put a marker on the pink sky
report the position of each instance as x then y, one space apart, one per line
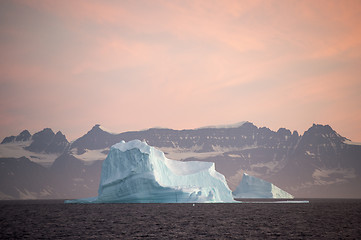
131 65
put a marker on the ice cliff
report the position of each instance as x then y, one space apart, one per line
252 187
134 172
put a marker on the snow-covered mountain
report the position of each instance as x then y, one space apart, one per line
319 163
43 147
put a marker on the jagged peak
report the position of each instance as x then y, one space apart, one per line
323 131
319 128
284 131
265 130
59 133
295 133
8 139
248 124
100 128
96 138
25 132
61 136
106 129
45 131
23 136
96 127
44 135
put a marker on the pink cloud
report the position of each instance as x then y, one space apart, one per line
197 62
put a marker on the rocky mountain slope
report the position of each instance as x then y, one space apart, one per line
319 163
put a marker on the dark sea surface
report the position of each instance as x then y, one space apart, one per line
52 219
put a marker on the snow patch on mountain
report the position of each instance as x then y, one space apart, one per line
90 155
234 155
184 153
223 149
270 166
17 150
235 125
332 176
349 142
107 130
178 153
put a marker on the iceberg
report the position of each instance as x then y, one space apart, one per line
135 172
252 187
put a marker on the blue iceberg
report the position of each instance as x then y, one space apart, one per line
135 172
252 187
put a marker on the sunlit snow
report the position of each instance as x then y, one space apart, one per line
352 143
16 150
235 125
90 155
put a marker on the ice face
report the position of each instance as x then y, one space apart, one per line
252 187
138 173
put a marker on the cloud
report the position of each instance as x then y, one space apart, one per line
276 63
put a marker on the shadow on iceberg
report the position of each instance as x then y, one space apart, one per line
135 172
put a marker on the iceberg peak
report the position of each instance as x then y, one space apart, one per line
125 146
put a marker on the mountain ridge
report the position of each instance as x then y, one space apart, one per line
304 165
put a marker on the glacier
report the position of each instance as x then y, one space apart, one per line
135 172
253 187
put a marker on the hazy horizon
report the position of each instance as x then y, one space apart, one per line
132 65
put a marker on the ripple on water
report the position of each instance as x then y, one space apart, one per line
321 219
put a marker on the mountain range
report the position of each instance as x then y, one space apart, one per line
318 164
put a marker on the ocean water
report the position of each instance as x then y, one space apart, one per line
52 219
